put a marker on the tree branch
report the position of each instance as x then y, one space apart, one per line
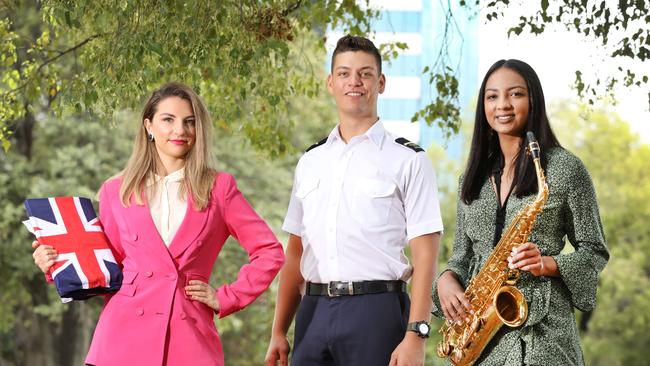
291 8
71 49
52 59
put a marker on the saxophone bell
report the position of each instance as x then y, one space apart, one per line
510 306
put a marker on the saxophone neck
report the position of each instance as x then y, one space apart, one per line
534 150
542 186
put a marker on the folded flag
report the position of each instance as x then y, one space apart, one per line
85 265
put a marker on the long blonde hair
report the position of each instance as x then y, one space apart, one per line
199 171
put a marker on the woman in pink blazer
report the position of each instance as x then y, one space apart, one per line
167 216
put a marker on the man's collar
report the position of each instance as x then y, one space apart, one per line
375 133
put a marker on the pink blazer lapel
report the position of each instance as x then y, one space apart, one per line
142 229
190 228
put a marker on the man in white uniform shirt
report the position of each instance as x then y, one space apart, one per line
359 197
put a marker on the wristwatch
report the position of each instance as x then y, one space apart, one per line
421 328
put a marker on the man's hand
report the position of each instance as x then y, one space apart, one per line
410 352
278 351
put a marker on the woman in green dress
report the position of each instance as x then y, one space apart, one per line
499 180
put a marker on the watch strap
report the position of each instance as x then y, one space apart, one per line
415 327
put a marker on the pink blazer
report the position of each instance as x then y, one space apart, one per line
150 321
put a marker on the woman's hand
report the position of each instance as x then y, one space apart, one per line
527 257
201 291
44 256
454 304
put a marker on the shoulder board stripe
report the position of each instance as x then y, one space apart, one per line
316 144
411 145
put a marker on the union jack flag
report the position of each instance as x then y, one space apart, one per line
85 265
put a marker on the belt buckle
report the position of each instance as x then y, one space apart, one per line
329 289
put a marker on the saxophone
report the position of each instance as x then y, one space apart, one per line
491 292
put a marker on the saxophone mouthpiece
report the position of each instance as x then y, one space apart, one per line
533 146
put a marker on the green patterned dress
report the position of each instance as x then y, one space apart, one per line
550 335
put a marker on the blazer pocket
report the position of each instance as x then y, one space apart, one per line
128 283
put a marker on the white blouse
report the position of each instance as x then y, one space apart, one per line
166 207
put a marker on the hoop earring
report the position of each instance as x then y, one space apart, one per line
150 137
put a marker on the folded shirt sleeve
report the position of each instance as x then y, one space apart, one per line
421 204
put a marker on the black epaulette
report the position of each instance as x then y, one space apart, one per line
411 145
317 144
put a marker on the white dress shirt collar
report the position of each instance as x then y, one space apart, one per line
376 133
175 176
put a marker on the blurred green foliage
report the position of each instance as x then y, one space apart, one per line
618 28
248 59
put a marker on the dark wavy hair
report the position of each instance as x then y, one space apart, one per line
485 155
354 44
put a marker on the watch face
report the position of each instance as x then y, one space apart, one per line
423 328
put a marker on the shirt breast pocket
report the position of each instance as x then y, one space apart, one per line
373 199
306 187
307 193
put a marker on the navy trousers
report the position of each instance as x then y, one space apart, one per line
360 330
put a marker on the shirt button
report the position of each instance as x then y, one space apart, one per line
199 243
140 311
149 274
183 316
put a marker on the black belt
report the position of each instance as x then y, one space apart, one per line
341 288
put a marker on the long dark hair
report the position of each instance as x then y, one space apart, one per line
485 155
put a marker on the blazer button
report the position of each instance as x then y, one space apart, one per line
134 237
172 277
149 274
183 316
199 243
140 311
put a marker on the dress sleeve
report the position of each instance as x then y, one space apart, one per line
265 252
579 270
461 255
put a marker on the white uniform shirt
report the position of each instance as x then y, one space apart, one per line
166 207
356 206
